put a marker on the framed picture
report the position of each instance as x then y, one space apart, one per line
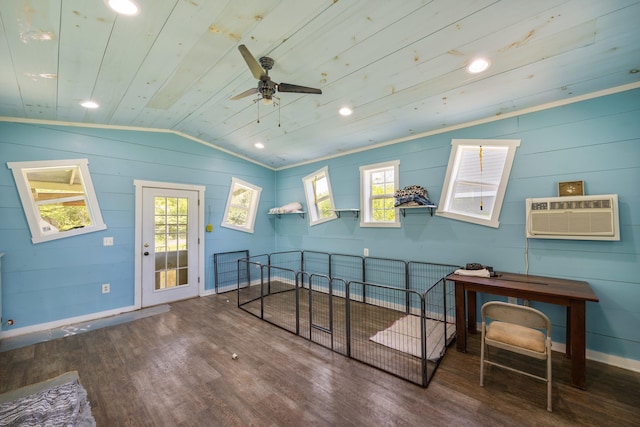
571 188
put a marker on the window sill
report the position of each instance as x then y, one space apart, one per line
472 220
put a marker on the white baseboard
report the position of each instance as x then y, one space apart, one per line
608 359
79 319
68 321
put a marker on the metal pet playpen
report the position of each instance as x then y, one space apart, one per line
398 316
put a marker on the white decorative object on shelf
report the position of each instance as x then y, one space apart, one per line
293 207
289 208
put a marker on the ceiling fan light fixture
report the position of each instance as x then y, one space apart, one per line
345 111
89 104
124 7
478 65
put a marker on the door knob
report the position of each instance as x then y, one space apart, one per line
146 253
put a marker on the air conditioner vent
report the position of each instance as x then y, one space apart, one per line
573 217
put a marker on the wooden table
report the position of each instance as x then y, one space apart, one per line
572 294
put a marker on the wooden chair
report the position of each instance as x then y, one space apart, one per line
520 329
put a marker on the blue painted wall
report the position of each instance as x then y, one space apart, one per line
597 141
62 279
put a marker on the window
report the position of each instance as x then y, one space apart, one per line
378 183
317 189
242 205
476 180
58 198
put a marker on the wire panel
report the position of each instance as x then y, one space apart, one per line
402 324
226 272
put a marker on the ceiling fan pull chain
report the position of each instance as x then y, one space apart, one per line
481 177
258 103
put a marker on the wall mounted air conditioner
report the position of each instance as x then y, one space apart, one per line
573 217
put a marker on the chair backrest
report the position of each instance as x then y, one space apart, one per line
518 314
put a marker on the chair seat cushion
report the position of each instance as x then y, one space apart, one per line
516 335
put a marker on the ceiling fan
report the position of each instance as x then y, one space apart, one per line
267 87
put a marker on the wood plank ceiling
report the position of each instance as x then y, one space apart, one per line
399 64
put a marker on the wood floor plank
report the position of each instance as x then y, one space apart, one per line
175 369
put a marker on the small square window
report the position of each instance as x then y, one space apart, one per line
242 206
58 198
378 184
317 190
476 180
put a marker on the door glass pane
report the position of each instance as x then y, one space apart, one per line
182 276
171 242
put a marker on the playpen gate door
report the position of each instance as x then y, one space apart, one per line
320 311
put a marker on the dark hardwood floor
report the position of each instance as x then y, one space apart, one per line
176 369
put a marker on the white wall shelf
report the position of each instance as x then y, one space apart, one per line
403 209
301 213
355 212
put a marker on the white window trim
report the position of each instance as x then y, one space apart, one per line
32 213
365 194
314 214
447 187
251 211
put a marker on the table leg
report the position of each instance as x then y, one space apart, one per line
567 352
578 343
461 330
471 310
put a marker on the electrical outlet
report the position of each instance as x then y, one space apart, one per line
107 241
512 300
366 251
106 288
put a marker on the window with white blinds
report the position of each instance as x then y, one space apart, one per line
476 180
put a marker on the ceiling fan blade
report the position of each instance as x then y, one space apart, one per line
252 62
244 94
287 87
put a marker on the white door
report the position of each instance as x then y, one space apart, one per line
169 245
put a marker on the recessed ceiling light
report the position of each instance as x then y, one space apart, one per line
89 104
125 7
259 145
345 111
478 65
